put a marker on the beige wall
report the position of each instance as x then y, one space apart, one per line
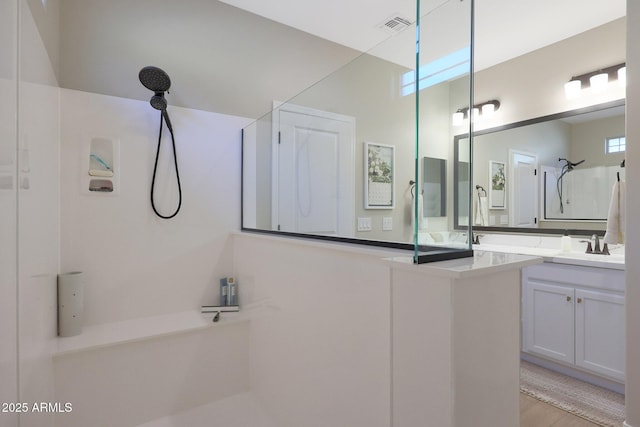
46 15
368 89
532 85
588 141
249 61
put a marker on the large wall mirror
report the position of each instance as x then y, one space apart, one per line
558 172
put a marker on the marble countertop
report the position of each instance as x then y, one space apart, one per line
482 262
614 261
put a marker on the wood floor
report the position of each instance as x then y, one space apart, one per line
534 413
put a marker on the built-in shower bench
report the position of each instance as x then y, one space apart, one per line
127 331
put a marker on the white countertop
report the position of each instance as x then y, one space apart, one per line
482 262
614 261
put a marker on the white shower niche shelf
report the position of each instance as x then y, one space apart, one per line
128 331
100 166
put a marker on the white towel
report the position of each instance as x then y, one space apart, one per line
422 222
481 211
616 217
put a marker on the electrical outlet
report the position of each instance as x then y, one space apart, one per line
364 224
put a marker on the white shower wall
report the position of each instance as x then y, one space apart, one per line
321 348
136 264
8 211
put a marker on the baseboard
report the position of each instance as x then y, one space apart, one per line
575 373
624 424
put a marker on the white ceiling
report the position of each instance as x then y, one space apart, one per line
504 28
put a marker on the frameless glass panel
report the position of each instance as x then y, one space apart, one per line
38 191
8 209
337 161
444 88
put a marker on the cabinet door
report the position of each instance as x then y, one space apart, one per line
548 320
600 332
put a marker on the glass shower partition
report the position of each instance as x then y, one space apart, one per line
346 159
444 87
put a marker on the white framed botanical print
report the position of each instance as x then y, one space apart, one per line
379 170
497 185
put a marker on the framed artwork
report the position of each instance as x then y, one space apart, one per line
497 185
379 170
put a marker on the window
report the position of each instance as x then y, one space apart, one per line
442 69
616 144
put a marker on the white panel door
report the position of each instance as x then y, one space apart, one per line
315 174
548 320
523 205
600 332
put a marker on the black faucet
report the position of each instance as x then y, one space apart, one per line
596 248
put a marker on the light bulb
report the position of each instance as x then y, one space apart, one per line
476 113
488 110
458 118
572 89
622 76
599 82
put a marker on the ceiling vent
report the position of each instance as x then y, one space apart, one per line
395 24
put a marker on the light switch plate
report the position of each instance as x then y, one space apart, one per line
364 224
387 223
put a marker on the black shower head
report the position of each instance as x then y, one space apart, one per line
569 165
158 101
155 79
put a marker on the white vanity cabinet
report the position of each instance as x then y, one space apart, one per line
575 315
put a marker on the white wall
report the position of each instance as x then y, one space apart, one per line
38 216
130 384
136 264
8 210
632 293
320 346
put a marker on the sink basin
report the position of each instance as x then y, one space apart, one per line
617 258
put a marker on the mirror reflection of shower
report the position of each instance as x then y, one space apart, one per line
566 168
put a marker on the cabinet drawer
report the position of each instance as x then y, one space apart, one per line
588 277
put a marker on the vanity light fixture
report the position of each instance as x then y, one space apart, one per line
479 111
597 81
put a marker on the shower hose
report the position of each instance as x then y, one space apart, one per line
155 168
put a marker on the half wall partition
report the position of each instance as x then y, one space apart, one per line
364 155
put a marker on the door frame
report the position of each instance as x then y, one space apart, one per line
279 106
512 190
